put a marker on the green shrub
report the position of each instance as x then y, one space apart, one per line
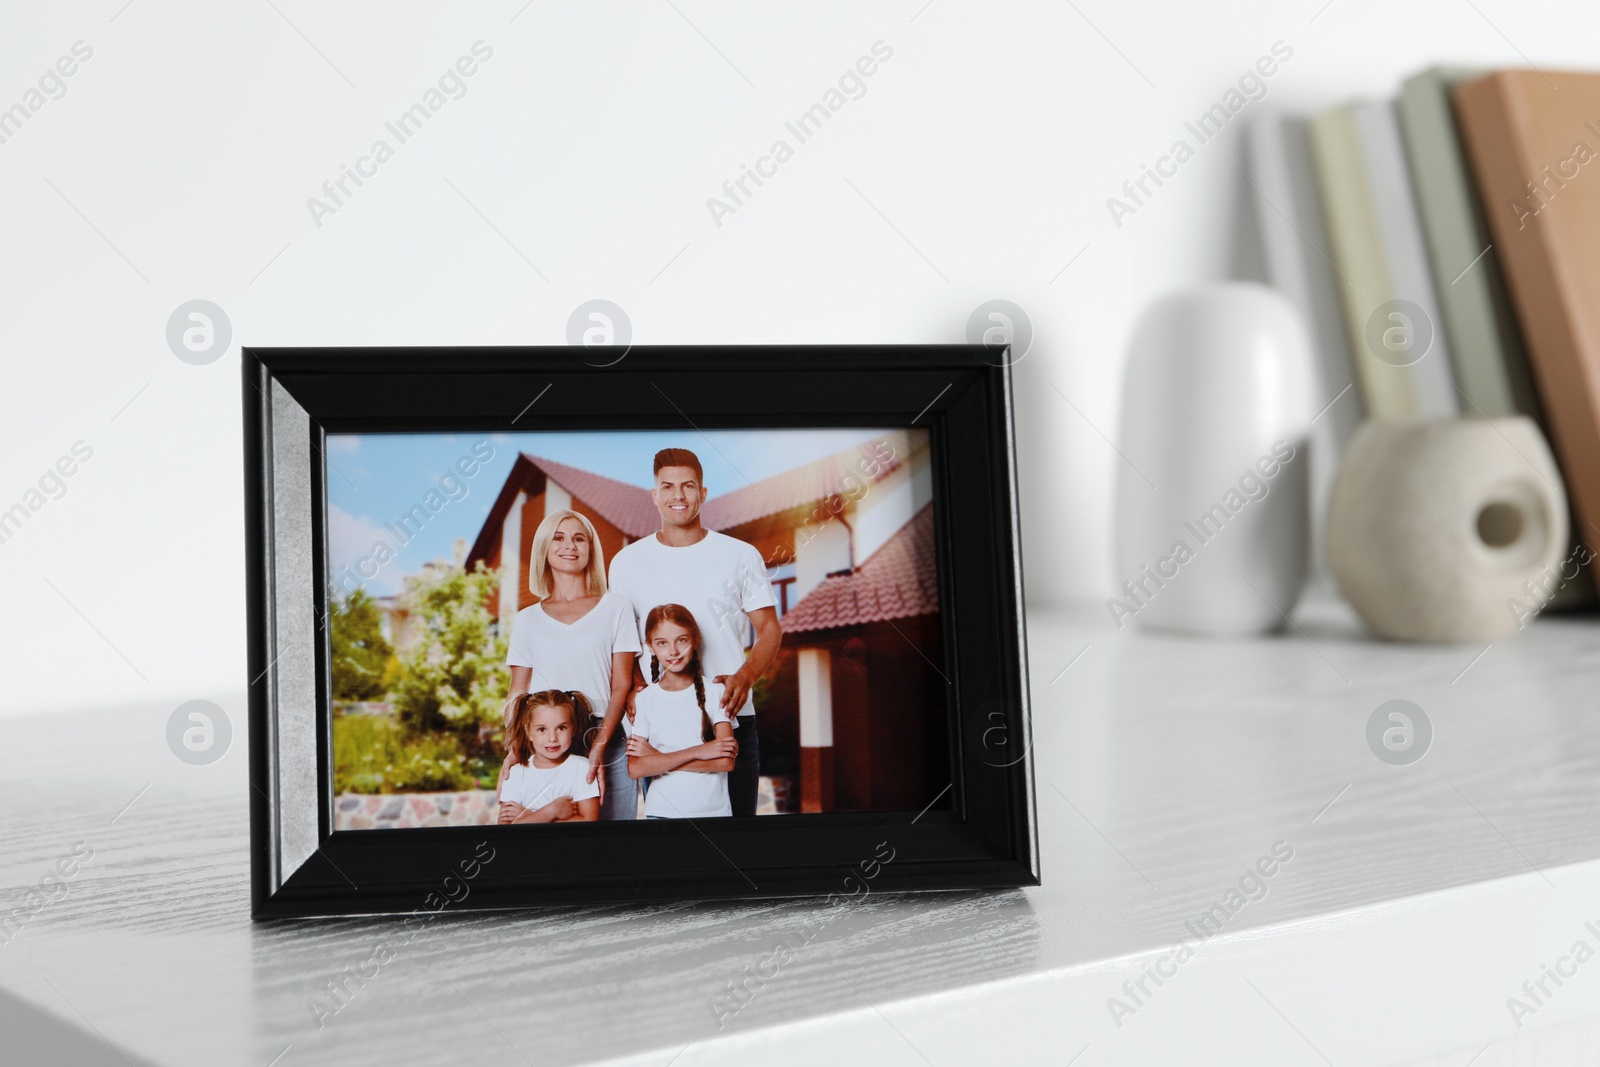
357 652
454 678
429 765
373 754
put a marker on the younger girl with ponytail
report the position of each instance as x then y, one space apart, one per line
681 739
545 783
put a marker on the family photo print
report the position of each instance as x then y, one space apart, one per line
685 623
572 627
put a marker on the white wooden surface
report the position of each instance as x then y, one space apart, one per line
1414 905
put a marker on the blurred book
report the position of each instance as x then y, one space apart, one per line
1491 366
1478 322
1533 141
1392 320
1298 262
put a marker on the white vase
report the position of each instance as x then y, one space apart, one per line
1213 517
1448 529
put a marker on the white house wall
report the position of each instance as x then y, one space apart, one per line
815 676
510 563
555 498
891 503
819 550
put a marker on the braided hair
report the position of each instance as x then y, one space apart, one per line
680 615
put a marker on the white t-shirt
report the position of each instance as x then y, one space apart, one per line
671 723
718 578
575 658
533 788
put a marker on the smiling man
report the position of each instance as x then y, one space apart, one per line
723 582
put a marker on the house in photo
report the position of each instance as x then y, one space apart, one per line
621 514
853 713
870 697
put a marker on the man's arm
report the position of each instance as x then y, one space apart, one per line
769 636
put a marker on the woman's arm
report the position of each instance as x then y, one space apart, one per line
509 810
621 686
521 679
637 683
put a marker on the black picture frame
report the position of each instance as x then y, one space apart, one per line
979 833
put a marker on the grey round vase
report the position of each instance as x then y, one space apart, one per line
1439 529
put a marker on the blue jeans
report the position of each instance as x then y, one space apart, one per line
744 781
622 793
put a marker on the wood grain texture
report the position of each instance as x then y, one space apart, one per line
1166 767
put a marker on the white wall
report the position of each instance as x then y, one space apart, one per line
819 549
556 498
510 567
179 162
888 505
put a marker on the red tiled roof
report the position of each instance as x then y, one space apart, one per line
815 481
897 581
627 507
630 509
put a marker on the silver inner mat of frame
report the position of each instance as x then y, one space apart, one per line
292 677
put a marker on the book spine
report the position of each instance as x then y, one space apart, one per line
1405 261
1358 259
1550 271
1458 247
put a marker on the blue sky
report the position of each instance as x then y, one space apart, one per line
374 478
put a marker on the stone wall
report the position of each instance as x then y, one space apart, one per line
358 811
477 807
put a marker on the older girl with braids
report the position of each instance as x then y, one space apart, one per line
681 739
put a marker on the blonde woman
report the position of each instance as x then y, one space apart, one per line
578 639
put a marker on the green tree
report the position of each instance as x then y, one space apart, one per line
373 754
356 648
455 679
